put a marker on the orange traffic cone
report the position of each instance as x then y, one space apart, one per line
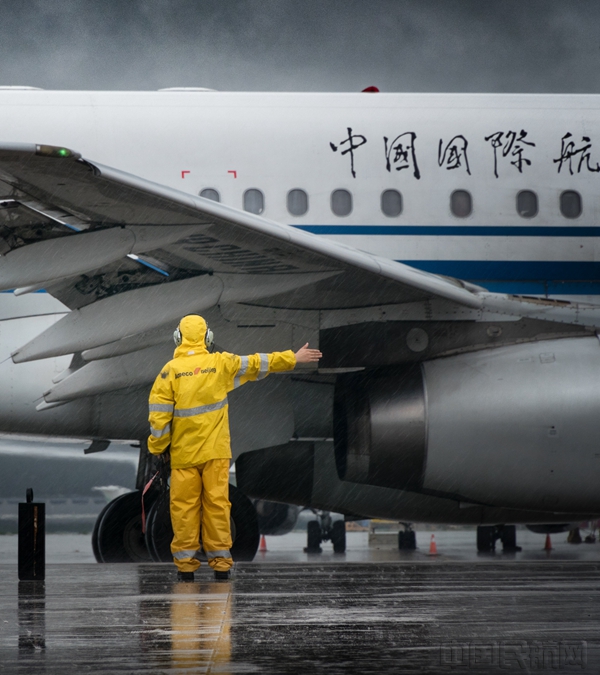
263 544
548 544
432 546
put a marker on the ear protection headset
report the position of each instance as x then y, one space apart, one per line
209 338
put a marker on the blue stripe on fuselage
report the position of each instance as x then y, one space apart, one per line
455 230
529 277
520 277
511 270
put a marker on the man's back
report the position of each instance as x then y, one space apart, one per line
188 402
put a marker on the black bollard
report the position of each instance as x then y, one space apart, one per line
32 540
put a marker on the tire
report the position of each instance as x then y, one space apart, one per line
313 537
159 532
244 528
407 540
508 536
117 536
338 536
95 547
486 538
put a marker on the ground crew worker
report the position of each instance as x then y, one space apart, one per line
189 418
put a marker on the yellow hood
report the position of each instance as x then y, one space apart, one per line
193 332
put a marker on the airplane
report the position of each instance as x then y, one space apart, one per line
440 249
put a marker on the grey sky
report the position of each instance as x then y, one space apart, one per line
309 45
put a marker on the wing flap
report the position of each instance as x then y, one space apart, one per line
120 372
141 310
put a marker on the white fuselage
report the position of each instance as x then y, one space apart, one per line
233 142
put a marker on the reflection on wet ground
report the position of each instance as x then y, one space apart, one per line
407 616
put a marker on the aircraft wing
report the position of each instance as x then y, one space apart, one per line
129 257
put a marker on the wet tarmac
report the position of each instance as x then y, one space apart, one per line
390 612
455 545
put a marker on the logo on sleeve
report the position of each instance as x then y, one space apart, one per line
164 374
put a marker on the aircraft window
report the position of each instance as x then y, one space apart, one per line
297 202
391 203
209 193
570 204
527 204
341 202
461 203
254 201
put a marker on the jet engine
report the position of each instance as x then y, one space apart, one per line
517 426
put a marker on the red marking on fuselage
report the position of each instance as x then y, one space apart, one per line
234 173
183 173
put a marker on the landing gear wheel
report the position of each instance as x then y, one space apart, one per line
313 537
244 528
117 535
508 537
407 540
338 536
486 538
159 532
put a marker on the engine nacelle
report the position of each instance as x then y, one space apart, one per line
275 518
517 426
552 528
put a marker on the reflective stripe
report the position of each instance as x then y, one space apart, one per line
199 410
161 407
241 372
218 554
159 433
243 366
182 555
264 366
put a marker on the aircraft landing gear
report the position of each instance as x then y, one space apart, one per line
324 529
407 538
487 535
117 535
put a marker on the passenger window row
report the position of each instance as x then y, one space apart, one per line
461 202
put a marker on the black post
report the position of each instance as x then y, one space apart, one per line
32 540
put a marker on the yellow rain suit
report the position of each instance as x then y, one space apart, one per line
189 414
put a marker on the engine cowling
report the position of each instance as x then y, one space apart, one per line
275 518
517 426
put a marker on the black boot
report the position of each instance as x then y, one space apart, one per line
185 576
222 576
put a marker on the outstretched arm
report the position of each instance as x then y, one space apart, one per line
258 366
306 355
